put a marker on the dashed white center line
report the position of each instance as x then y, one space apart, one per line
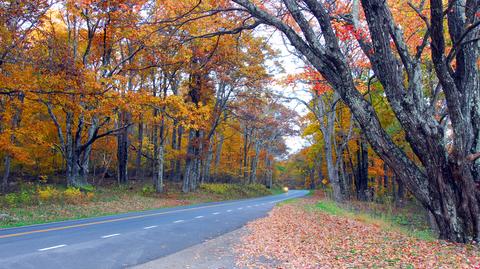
229 210
240 208
199 217
249 206
54 247
178 221
110 235
150 227
216 213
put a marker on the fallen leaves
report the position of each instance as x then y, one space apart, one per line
294 237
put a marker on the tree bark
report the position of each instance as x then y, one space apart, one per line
253 172
138 160
122 151
361 180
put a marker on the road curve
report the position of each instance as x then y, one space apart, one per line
129 239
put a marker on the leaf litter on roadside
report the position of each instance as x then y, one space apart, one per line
293 237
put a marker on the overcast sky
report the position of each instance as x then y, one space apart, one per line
292 65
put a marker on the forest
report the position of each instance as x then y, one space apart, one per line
178 94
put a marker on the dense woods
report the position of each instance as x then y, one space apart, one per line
92 90
180 91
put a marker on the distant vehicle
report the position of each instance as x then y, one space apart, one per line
285 189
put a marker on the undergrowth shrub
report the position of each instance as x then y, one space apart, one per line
235 190
48 193
73 195
148 190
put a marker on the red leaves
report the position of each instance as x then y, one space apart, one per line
295 237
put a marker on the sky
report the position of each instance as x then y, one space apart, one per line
292 65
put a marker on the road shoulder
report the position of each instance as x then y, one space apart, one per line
216 253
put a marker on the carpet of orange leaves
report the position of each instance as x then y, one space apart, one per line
295 237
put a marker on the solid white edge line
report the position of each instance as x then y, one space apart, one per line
54 247
110 235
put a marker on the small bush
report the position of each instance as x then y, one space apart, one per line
24 197
87 188
148 190
73 195
48 193
11 199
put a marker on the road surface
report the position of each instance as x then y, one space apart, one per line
125 240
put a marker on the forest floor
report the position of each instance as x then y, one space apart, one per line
317 233
29 206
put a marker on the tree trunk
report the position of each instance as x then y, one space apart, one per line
191 162
172 175
361 180
158 173
122 149
208 163
178 163
253 173
269 169
138 160
245 154
218 154
6 173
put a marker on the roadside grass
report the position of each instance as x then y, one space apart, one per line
399 222
36 205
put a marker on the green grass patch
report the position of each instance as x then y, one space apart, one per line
386 220
330 207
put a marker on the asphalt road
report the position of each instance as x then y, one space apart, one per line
125 240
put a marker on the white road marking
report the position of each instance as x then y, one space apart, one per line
199 217
229 210
178 221
216 213
150 227
240 208
110 235
249 206
54 247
